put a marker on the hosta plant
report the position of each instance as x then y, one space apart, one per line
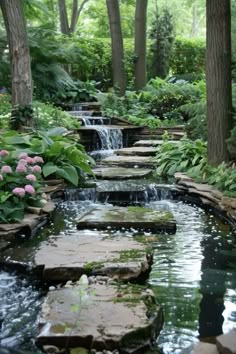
20 185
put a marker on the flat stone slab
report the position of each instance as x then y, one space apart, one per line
205 348
128 218
121 173
121 127
68 257
137 151
98 317
226 343
151 143
128 161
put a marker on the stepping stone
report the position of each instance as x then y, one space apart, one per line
128 218
100 317
67 257
138 151
226 343
150 143
121 173
128 161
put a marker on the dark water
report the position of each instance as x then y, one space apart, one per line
192 277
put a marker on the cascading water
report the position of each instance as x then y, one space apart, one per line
111 139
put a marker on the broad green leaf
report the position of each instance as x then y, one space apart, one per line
49 168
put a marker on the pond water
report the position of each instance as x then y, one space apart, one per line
192 277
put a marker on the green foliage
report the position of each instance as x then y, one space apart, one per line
191 157
63 157
188 56
5 110
162 35
49 116
231 143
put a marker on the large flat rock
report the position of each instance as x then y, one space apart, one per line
68 257
128 161
137 151
121 173
128 218
152 143
99 317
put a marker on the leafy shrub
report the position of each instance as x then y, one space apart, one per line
188 155
48 116
5 110
191 157
63 157
188 56
20 185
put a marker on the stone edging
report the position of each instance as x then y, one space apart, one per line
209 196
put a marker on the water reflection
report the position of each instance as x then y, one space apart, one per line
191 278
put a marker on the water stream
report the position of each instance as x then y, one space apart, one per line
191 278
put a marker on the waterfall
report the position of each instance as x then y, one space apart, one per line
111 139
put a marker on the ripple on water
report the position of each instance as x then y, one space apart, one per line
20 303
191 279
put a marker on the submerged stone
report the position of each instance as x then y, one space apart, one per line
68 257
121 173
100 317
132 217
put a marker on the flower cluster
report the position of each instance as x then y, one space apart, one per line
20 180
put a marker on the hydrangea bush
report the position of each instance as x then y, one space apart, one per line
20 185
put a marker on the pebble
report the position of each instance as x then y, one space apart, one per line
51 288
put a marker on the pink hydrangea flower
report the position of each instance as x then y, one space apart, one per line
29 189
29 159
20 192
31 178
36 169
21 168
38 159
6 169
22 162
1 178
23 155
4 152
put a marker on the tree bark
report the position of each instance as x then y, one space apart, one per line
22 88
76 11
140 44
63 17
218 77
119 78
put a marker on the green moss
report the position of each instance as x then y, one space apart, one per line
93 265
139 209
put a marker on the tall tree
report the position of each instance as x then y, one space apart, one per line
218 75
67 28
119 78
162 35
22 88
140 43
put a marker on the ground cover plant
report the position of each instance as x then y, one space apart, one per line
191 157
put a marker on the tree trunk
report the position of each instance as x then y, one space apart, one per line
63 17
140 44
76 11
119 78
195 22
218 75
22 88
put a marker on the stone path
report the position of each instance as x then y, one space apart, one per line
105 314
151 143
120 173
136 150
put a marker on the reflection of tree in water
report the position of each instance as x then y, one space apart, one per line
213 287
